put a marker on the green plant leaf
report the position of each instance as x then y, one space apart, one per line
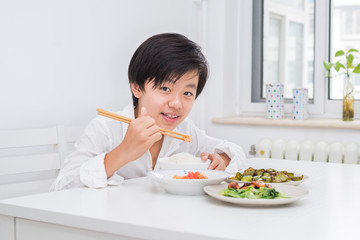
352 50
349 59
327 65
339 53
339 65
357 69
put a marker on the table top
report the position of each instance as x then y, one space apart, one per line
141 208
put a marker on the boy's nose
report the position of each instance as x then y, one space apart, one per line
175 102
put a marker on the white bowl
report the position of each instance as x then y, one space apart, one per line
167 164
187 186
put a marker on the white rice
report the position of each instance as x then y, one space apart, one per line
183 158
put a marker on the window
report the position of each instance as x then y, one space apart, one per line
287 45
345 34
291 39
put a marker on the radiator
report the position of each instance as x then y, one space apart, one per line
307 150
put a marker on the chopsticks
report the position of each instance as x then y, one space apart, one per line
102 112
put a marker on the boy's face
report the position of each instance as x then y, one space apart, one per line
170 103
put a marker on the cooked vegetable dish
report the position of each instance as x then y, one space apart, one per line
253 190
269 176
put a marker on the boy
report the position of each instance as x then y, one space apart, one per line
166 74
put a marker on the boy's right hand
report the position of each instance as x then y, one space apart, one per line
142 133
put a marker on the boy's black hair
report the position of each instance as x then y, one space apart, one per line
166 57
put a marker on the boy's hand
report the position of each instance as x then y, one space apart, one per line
142 133
218 162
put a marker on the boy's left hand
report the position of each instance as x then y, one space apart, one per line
218 161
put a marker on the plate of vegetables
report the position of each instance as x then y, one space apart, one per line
255 193
268 175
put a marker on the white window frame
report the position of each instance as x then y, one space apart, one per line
286 15
322 107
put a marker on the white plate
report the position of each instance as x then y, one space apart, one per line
294 183
187 186
295 193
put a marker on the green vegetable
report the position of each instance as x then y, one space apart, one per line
299 178
238 176
268 193
269 175
291 175
253 193
280 177
230 192
250 172
255 178
266 179
259 172
247 178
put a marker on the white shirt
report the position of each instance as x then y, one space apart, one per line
85 166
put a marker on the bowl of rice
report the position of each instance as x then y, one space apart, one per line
187 182
181 161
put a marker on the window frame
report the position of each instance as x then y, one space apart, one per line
321 105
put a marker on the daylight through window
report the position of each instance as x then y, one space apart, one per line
288 45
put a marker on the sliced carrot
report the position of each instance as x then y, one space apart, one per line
258 183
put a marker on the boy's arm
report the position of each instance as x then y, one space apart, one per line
226 158
141 134
229 154
218 161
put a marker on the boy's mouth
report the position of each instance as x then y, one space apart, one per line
170 117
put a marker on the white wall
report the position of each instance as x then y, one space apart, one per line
60 60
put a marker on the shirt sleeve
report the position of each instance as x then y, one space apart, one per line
85 166
234 152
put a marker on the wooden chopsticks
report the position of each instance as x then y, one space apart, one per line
102 112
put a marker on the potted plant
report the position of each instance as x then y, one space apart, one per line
344 65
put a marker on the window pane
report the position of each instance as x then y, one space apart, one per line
298 4
288 45
357 20
345 34
295 58
272 55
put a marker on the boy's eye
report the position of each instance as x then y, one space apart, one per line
189 94
166 89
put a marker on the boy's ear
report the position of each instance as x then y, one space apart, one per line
135 90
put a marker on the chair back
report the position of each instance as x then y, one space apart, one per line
30 160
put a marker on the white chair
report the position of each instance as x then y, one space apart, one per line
30 160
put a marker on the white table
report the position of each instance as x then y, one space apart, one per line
140 209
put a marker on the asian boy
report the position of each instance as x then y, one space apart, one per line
166 74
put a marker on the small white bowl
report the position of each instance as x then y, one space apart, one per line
167 164
187 186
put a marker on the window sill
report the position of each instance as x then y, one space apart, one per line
287 122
